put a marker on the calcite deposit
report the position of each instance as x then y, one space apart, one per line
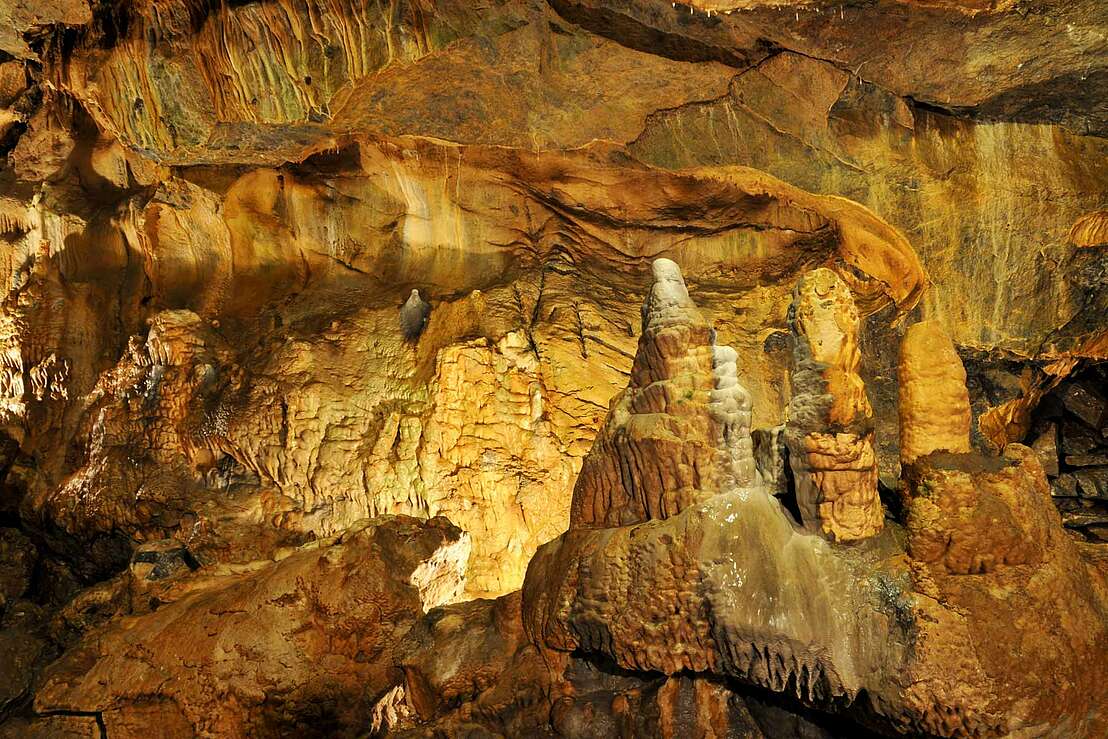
553 368
681 430
734 587
829 431
934 402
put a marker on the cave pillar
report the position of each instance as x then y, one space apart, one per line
829 431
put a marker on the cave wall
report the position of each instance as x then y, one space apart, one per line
287 171
210 213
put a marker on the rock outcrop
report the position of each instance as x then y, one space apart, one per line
210 213
730 586
301 644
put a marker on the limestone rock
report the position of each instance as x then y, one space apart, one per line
690 593
1078 438
966 513
302 643
312 364
51 727
934 403
829 431
45 149
1092 482
771 458
17 561
23 646
459 654
680 432
469 668
21 16
1046 446
1086 403
969 514
604 705
211 211
1090 229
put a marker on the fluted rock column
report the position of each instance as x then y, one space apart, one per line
934 403
680 432
829 431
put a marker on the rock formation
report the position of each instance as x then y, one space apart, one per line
697 517
934 403
684 402
966 513
300 644
730 586
829 430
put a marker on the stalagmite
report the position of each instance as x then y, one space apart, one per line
731 406
680 433
829 431
967 513
934 403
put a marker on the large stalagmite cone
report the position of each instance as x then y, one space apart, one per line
679 434
934 402
829 431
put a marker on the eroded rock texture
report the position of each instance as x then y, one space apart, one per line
300 644
733 586
214 217
829 431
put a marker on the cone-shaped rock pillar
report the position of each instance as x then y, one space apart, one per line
934 402
680 432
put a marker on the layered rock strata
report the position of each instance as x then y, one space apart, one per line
258 186
308 409
731 586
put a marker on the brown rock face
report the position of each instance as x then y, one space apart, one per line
17 563
273 268
299 644
310 409
969 514
829 430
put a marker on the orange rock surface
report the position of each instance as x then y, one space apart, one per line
788 496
